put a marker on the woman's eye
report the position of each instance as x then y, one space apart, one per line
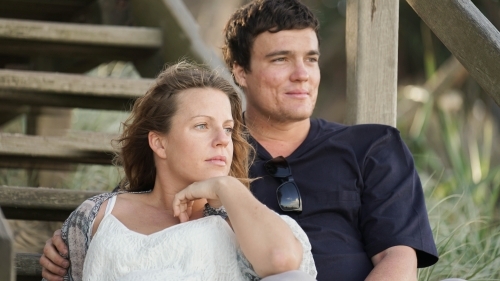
201 126
229 130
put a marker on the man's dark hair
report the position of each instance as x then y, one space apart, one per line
260 16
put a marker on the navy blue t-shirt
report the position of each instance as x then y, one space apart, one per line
361 195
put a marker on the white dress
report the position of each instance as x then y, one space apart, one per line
203 249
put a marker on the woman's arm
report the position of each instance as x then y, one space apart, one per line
266 239
54 259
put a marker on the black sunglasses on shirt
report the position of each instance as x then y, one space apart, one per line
287 193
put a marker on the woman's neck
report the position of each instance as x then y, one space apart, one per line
162 197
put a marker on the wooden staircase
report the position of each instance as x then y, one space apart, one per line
46 46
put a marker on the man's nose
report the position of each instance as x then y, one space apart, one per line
300 72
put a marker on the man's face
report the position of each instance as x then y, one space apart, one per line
282 84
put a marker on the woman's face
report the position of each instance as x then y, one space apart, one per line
199 144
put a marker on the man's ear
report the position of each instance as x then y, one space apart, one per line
240 75
158 144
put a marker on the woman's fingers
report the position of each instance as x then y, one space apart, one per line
183 210
189 210
182 207
184 199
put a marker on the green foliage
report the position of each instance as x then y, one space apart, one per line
455 155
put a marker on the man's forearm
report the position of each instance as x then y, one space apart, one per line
398 263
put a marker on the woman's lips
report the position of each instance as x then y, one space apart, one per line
218 160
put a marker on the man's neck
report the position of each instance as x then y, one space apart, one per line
278 138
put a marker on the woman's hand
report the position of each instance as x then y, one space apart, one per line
207 189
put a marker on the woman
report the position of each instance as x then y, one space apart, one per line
184 156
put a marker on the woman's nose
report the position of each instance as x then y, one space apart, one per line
222 138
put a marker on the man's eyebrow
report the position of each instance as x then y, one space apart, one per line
313 53
277 53
285 52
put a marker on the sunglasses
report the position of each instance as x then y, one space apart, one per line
287 193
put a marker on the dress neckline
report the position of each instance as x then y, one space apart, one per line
188 223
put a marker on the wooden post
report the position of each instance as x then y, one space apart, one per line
7 272
469 35
372 50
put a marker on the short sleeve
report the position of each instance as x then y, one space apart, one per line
307 265
393 208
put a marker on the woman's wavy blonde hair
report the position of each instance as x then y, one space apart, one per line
154 112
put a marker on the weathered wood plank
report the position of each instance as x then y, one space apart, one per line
95 42
97 53
372 44
27 265
23 98
35 214
48 164
6 251
142 37
72 84
95 148
28 203
43 198
468 34
41 9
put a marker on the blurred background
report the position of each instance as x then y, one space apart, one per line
449 123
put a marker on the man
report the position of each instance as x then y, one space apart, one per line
353 189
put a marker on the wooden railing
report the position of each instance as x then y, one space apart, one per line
372 61
372 41
469 36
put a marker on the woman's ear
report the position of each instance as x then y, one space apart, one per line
240 75
158 144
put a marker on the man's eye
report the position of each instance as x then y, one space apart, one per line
279 59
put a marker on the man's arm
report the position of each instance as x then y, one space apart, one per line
398 263
54 266
55 259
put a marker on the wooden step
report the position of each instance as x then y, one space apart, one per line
42 9
70 90
47 152
28 267
48 204
6 250
28 38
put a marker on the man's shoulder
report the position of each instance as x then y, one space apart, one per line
368 131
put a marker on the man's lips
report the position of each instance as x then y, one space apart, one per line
298 93
218 160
